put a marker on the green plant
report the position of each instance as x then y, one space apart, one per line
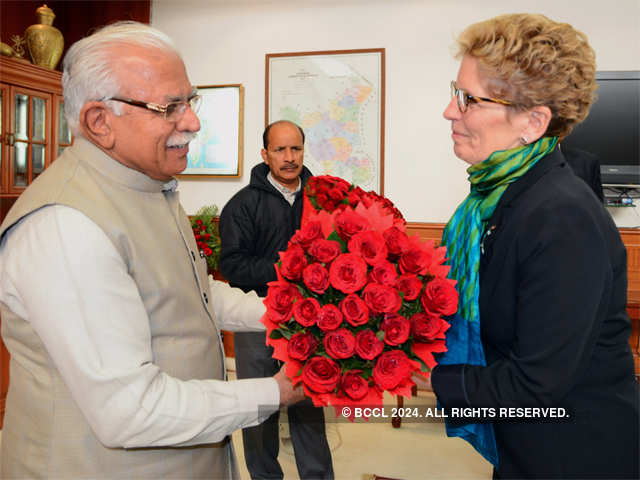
205 229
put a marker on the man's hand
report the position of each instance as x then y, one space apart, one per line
288 394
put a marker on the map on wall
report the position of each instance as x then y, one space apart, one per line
338 99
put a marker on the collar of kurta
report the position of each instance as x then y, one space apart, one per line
111 168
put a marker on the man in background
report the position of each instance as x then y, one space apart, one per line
255 225
116 365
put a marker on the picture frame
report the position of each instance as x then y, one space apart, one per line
217 150
338 98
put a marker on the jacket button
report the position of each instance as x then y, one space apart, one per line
206 299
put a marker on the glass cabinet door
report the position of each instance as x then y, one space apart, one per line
38 126
31 137
3 138
20 175
64 133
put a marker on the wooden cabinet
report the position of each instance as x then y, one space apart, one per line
33 132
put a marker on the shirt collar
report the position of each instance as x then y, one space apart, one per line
170 186
282 189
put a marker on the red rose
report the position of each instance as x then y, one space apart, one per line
426 328
368 345
329 205
348 223
281 297
355 311
207 251
336 194
354 385
311 183
321 199
321 374
384 273
306 311
367 199
301 346
316 278
416 259
381 299
348 273
396 329
329 318
353 197
370 246
309 232
391 369
338 183
410 285
339 343
199 222
292 262
325 250
440 298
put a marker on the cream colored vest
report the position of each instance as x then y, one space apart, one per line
45 434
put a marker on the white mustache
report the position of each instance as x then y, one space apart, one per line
180 138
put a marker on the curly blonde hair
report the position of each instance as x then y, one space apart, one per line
531 60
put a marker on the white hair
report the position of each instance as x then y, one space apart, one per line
88 67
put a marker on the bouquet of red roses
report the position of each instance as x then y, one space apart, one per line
330 193
358 305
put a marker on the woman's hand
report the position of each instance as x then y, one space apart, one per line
421 382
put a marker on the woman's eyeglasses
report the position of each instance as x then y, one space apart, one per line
464 99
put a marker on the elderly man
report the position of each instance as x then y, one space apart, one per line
116 364
255 225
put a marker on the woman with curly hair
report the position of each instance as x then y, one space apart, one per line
540 265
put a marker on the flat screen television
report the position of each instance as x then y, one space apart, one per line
612 129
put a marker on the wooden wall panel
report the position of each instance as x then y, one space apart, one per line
426 231
631 239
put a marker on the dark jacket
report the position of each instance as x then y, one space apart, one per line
586 166
555 331
255 225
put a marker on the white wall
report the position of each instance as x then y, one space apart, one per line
225 41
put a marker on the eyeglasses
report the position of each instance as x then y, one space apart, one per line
171 112
464 99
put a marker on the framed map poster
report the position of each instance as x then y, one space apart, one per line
337 97
217 148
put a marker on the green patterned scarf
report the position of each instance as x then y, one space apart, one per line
463 234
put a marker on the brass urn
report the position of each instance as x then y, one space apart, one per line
44 41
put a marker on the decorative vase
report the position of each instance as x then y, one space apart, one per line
44 41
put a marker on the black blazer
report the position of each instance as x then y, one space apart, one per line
555 332
586 166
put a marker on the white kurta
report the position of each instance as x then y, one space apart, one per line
96 331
